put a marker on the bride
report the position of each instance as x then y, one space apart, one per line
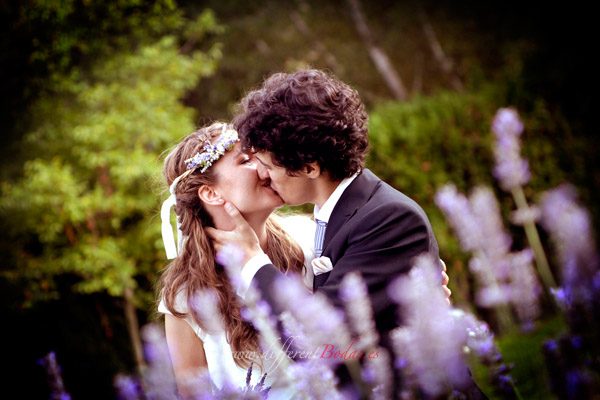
204 170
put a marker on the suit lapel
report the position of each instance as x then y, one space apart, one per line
354 197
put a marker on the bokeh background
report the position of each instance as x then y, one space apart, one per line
95 92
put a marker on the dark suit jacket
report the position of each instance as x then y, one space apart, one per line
375 230
378 231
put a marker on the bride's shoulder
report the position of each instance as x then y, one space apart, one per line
180 304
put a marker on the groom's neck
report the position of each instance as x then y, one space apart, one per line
323 190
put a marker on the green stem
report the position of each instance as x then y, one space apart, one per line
505 319
517 392
534 241
354 370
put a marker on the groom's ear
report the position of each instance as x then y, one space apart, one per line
312 170
209 195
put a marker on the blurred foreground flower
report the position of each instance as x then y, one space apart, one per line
435 366
503 277
57 388
512 172
570 229
574 358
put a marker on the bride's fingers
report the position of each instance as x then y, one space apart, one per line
447 292
235 215
445 278
218 236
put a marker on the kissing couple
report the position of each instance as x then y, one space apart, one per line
299 138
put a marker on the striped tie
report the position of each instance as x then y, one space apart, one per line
319 237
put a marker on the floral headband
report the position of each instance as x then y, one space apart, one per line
202 161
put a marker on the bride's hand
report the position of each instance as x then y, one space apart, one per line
242 236
445 280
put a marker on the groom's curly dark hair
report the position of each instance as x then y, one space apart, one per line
304 117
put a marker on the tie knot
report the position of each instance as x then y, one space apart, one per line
321 224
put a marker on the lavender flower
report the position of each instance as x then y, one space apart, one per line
231 257
57 387
259 313
516 280
480 341
511 170
480 338
323 324
495 242
376 372
479 229
525 288
503 277
436 366
127 387
458 211
314 380
359 312
204 306
159 381
507 123
295 331
570 229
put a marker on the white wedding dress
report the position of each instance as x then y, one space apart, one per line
219 356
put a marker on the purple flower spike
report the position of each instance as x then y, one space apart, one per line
457 209
496 243
507 123
570 229
323 324
511 171
433 365
55 377
127 387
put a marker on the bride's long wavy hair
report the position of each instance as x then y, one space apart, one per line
195 268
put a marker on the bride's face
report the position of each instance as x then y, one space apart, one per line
238 182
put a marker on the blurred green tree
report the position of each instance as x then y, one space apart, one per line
84 204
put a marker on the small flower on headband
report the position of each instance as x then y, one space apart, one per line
212 152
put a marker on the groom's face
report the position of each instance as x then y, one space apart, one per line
293 189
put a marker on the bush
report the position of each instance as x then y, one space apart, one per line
420 145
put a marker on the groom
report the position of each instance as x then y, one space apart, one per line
308 133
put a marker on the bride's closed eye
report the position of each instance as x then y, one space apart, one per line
247 160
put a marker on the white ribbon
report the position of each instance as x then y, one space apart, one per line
167 229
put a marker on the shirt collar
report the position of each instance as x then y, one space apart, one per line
324 213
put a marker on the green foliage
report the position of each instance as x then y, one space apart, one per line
420 145
85 202
63 34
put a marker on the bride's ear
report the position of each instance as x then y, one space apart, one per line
209 195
